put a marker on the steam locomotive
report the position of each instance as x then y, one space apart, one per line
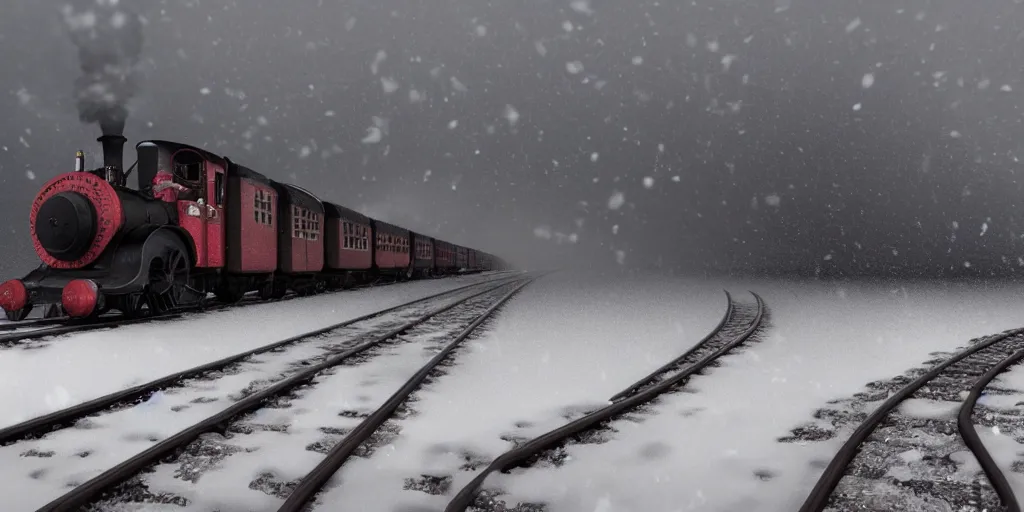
229 231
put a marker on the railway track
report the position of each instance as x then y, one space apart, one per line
115 439
12 333
914 451
738 325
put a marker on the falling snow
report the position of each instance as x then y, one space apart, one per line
378 59
616 200
459 86
582 6
373 135
389 85
511 115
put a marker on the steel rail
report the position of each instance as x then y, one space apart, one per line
464 498
311 484
91 490
818 498
64 417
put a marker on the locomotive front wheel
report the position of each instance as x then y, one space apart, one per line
168 281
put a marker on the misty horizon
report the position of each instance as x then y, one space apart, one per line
801 138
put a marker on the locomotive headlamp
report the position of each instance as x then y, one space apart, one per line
13 295
81 298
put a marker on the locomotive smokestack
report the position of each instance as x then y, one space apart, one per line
113 150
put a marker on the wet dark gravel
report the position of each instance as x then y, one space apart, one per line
917 462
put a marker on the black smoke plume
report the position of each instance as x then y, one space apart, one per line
109 39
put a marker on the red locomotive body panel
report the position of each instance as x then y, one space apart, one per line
191 219
347 239
251 222
300 230
215 226
198 170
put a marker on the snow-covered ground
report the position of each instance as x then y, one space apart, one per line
571 341
72 369
282 443
43 469
563 344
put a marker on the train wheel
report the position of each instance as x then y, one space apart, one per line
53 311
132 305
266 291
19 314
229 294
279 290
168 282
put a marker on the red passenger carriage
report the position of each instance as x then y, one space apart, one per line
348 241
391 250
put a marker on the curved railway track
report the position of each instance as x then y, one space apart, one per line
738 325
302 373
12 333
896 461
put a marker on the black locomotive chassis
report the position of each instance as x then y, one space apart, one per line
122 270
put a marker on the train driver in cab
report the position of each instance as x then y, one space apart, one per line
166 189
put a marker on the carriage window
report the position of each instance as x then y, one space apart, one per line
261 203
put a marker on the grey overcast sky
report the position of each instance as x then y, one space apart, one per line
794 136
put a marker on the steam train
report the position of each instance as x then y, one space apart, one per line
230 231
